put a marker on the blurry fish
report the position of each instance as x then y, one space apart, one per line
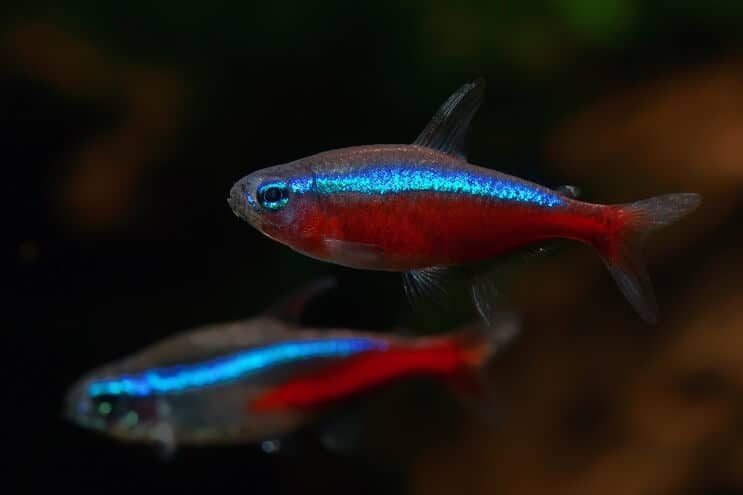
260 379
420 208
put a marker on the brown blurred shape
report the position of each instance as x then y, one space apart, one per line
680 130
603 412
99 187
596 401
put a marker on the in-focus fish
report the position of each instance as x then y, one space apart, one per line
419 208
260 379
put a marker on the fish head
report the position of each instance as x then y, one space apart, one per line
272 199
119 415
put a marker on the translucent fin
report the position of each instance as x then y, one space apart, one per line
165 438
354 254
571 192
291 308
447 130
502 329
481 342
479 284
484 295
485 287
423 285
625 260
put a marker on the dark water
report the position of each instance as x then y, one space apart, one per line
123 129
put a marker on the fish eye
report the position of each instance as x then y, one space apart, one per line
273 196
104 405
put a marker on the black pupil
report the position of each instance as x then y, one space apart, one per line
273 195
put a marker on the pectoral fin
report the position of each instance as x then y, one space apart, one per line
354 254
165 439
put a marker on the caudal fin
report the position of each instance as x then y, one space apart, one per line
625 260
478 344
481 342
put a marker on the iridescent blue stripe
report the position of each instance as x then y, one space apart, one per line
400 179
301 185
224 369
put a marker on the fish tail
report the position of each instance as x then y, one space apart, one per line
474 349
478 345
470 385
623 251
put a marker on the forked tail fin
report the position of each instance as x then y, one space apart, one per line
625 260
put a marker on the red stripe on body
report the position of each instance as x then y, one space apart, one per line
414 230
359 373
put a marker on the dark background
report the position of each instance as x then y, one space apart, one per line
124 124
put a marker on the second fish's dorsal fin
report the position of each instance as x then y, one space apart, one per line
291 307
447 130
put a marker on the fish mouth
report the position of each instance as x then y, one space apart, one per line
232 202
241 203
78 409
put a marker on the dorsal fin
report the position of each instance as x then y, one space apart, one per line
447 130
291 307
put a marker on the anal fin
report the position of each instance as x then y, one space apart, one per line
424 284
485 288
166 443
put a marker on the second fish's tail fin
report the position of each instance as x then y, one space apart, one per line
623 255
480 343
477 344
